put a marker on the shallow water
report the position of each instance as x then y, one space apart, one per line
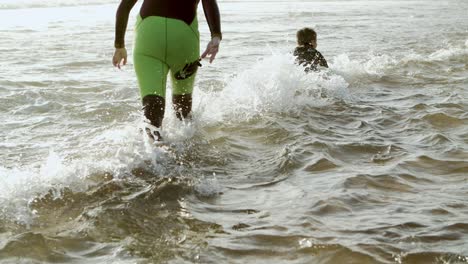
364 163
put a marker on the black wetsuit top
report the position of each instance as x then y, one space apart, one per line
309 57
184 10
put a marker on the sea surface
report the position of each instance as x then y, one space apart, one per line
366 162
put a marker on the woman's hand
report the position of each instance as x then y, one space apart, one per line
120 55
212 49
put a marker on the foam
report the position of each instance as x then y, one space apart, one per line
19 4
19 186
371 66
274 84
208 186
448 53
116 152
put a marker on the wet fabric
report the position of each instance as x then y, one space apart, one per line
184 10
309 57
164 45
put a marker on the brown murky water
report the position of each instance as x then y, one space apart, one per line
364 163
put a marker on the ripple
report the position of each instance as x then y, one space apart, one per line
434 166
330 206
152 220
459 227
442 120
444 237
439 211
246 211
368 150
39 107
363 163
240 226
82 64
388 183
24 84
334 253
451 105
34 247
432 257
289 249
436 139
322 164
420 107
409 225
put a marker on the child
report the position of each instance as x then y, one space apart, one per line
306 53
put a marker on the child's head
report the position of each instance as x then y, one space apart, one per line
307 36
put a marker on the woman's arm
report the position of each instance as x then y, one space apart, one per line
121 21
211 9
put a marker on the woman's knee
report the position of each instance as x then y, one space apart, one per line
153 107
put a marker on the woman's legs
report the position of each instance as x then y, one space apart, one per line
183 81
184 61
162 44
153 107
152 75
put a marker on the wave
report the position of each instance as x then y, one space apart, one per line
375 66
33 247
272 85
435 166
402 68
443 120
431 257
383 183
263 89
114 153
24 4
20 186
452 52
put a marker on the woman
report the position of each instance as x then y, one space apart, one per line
166 40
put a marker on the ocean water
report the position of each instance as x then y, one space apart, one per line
366 162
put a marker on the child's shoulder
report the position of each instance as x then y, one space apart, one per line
305 50
301 49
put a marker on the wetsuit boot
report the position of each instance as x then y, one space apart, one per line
153 107
182 105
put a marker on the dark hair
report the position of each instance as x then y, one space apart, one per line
305 36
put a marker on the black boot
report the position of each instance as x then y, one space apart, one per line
182 105
153 107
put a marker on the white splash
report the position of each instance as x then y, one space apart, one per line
371 66
19 186
273 85
450 52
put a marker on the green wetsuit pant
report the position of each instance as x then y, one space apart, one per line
162 45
